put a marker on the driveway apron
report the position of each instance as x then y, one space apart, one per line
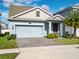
34 42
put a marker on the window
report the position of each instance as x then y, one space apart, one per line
38 13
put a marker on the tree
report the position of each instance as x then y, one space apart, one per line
0 24
73 20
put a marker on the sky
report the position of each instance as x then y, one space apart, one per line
51 5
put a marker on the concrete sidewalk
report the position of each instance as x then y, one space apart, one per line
46 52
50 52
4 51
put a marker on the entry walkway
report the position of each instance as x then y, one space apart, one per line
4 51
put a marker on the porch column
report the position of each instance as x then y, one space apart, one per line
50 25
61 29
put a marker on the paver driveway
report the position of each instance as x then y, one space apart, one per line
33 42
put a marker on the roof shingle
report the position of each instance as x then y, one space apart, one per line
14 9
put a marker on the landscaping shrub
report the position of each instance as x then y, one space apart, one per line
7 33
51 36
8 38
56 35
2 35
11 37
67 35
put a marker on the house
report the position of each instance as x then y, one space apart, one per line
64 13
4 27
34 22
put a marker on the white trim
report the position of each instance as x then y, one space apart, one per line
50 25
56 16
61 29
52 18
30 10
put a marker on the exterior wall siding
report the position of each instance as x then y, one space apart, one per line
69 29
32 15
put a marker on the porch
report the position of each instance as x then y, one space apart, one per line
56 25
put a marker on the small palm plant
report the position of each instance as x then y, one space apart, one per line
73 20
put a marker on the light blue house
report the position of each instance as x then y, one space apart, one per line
34 22
65 13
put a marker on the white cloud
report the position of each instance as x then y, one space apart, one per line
46 7
7 2
21 1
19 4
77 4
4 14
34 5
27 1
61 8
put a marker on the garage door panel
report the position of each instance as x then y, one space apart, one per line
20 31
29 31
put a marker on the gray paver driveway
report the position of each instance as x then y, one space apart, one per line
33 42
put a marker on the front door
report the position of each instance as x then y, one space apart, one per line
55 27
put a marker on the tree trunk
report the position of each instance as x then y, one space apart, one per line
0 29
74 31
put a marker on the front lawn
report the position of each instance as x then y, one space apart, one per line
67 41
8 56
7 44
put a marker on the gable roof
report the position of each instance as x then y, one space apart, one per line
29 10
66 9
54 18
14 9
76 6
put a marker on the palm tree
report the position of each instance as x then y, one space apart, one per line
0 24
73 20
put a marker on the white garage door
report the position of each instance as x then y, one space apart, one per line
29 31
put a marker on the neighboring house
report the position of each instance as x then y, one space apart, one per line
64 13
4 27
34 22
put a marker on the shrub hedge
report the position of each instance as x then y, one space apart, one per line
11 37
7 33
51 36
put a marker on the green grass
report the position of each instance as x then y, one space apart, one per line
7 44
67 41
8 56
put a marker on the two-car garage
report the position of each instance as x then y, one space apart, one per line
29 31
